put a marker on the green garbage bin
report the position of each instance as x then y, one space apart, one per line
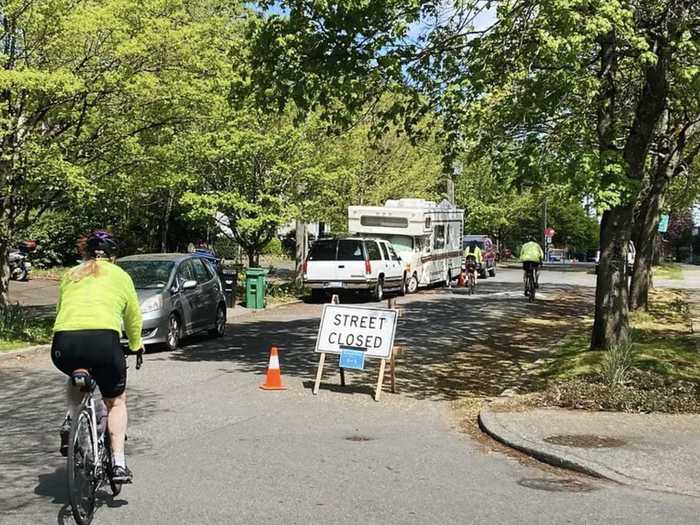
255 287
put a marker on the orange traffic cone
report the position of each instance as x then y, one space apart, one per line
273 381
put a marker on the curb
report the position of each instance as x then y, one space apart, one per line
489 424
257 311
23 352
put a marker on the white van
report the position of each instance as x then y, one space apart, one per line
427 236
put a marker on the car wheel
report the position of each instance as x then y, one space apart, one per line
492 271
402 288
412 285
219 323
378 293
172 341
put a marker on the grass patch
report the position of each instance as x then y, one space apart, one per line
17 329
668 271
659 371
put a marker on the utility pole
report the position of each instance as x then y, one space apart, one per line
451 177
546 246
301 236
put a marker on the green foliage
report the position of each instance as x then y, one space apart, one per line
17 328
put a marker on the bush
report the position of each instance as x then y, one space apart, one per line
274 247
616 364
16 325
642 391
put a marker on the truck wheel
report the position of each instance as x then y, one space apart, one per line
378 293
412 285
402 290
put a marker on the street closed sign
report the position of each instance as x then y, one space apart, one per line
370 330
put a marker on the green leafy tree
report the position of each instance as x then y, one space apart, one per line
85 88
571 90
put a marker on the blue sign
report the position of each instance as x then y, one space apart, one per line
663 224
352 359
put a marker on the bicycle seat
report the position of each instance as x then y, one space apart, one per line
82 379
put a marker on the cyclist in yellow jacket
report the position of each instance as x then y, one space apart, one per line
96 298
531 255
472 258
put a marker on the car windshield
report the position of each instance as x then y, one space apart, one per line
402 243
480 244
148 275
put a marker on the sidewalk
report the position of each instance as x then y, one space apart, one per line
651 451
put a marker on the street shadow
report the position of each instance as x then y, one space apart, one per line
454 344
32 468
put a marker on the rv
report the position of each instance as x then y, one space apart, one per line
427 236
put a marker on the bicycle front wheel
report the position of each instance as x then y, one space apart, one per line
82 484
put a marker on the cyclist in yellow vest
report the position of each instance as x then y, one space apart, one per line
472 254
95 299
531 255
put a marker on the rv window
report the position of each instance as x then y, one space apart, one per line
402 243
439 237
385 222
350 250
385 253
323 250
373 251
394 256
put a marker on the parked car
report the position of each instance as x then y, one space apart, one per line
180 295
488 253
353 264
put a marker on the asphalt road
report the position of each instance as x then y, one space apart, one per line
207 445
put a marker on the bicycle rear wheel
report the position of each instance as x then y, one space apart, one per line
82 484
531 287
109 466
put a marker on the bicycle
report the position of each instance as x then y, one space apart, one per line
530 285
471 270
89 451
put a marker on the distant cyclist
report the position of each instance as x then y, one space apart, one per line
472 258
96 298
531 255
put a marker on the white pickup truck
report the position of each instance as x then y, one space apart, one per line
353 264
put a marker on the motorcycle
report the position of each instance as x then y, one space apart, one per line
18 261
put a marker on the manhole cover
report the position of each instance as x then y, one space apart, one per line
555 485
358 438
585 441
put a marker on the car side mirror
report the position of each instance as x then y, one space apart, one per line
189 285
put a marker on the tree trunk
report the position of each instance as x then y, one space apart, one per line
645 228
4 275
611 327
253 257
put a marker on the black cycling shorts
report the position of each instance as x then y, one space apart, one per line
99 351
530 264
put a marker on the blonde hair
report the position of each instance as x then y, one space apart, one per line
88 268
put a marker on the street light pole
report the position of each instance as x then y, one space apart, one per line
544 234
